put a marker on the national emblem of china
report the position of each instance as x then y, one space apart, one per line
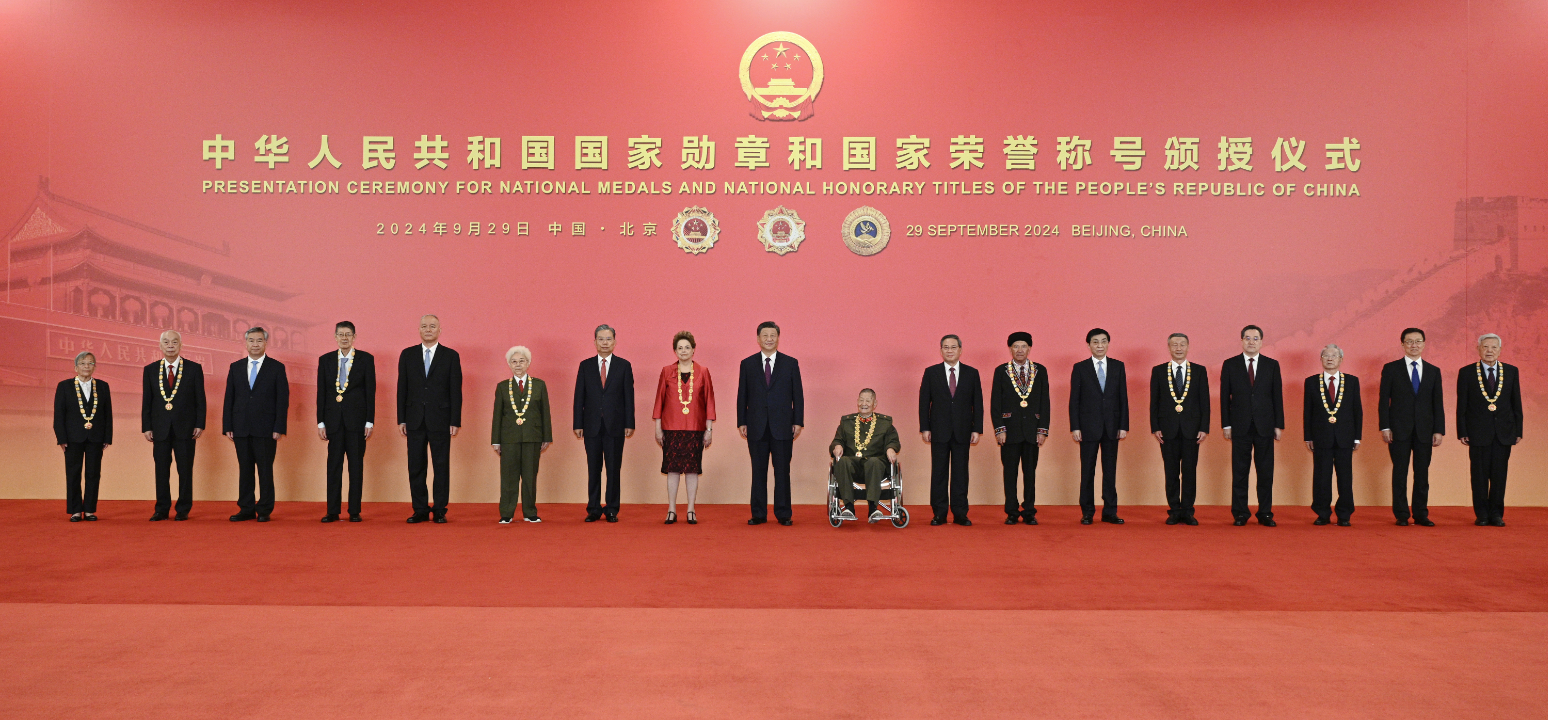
866 231
695 229
781 230
781 74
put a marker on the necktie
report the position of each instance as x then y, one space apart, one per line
1177 377
252 373
1021 375
427 362
1491 381
952 382
1102 375
1252 375
343 370
521 386
171 376
768 372
1332 391
1415 375
604 373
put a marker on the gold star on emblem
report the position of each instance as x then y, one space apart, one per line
787 66
775 66
765 56
780 50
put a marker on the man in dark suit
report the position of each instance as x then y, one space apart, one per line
604 418
1412 410
1332 420
770 412
1252 417
1179 418
346 414
1489 423
172 414
83 426
1099 418
429 415
1019 409
951 417
254 417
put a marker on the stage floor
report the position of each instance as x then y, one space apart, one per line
126 618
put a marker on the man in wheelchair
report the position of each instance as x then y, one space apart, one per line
865 445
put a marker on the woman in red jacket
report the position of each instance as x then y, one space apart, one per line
685 419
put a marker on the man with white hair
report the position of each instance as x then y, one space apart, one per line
1489 424
429 415
1331 421
172 412
522 429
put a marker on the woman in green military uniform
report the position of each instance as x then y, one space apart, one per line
523 428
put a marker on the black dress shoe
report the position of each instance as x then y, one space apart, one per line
354 517
1239 522
1112 519
1012 520
1481 523
1268 522
75 518
785 522
1320 521
592 518
239 517
1031 519
1171 520
1190 521
1085 519
180 517
756 521
612 517
938 520
418 519
263 518
92 517
330 518
440 518
1343 523
1424 522
1402 522
158 517
964 522
1497 522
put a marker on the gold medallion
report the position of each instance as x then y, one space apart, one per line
521 421
1332 419
169 406
695 229
1491 407
1179 408
88 426
858 454
339 398
685 411
1023 403
781 230
866 231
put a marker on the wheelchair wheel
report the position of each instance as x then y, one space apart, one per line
902 520
833 519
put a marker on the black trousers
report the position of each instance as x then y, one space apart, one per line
1420 449
1249 449
605 450
1327 462
83 460
439 445
345 444
1490 463
1180 460
761 450
163 451
1020 456
255 456
1089 449
949 478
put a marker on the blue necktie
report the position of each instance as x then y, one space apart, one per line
1102 375
252 373
343 370
1414 375
427 362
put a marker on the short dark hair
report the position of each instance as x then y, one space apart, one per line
944 338
344 324
1177 335
767 324
257 329
1253 327
868 390
1093 332
1407 331
683 335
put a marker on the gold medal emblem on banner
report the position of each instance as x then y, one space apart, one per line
695 229
866 231
781 74
781 230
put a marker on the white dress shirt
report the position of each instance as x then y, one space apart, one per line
771 357
85 387
605 362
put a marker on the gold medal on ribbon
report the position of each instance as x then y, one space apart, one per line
1179 408
339 398
169 406
521 421
1332 419
162 383
685 411
510 394
88 426
1022 392
1499 388
1337 402
1171 388
1023 403
1491 407
858 454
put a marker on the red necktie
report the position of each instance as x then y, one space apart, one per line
604 373
521 386
952 382
1332 391
171 376
1252 377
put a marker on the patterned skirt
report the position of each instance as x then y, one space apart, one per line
682 451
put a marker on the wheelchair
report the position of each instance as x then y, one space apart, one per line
890 502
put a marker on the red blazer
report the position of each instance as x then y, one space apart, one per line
669 410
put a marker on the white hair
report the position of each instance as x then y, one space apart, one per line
1490 336
422 318
522 349
165 333
1331 346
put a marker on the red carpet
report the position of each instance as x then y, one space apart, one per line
125 618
